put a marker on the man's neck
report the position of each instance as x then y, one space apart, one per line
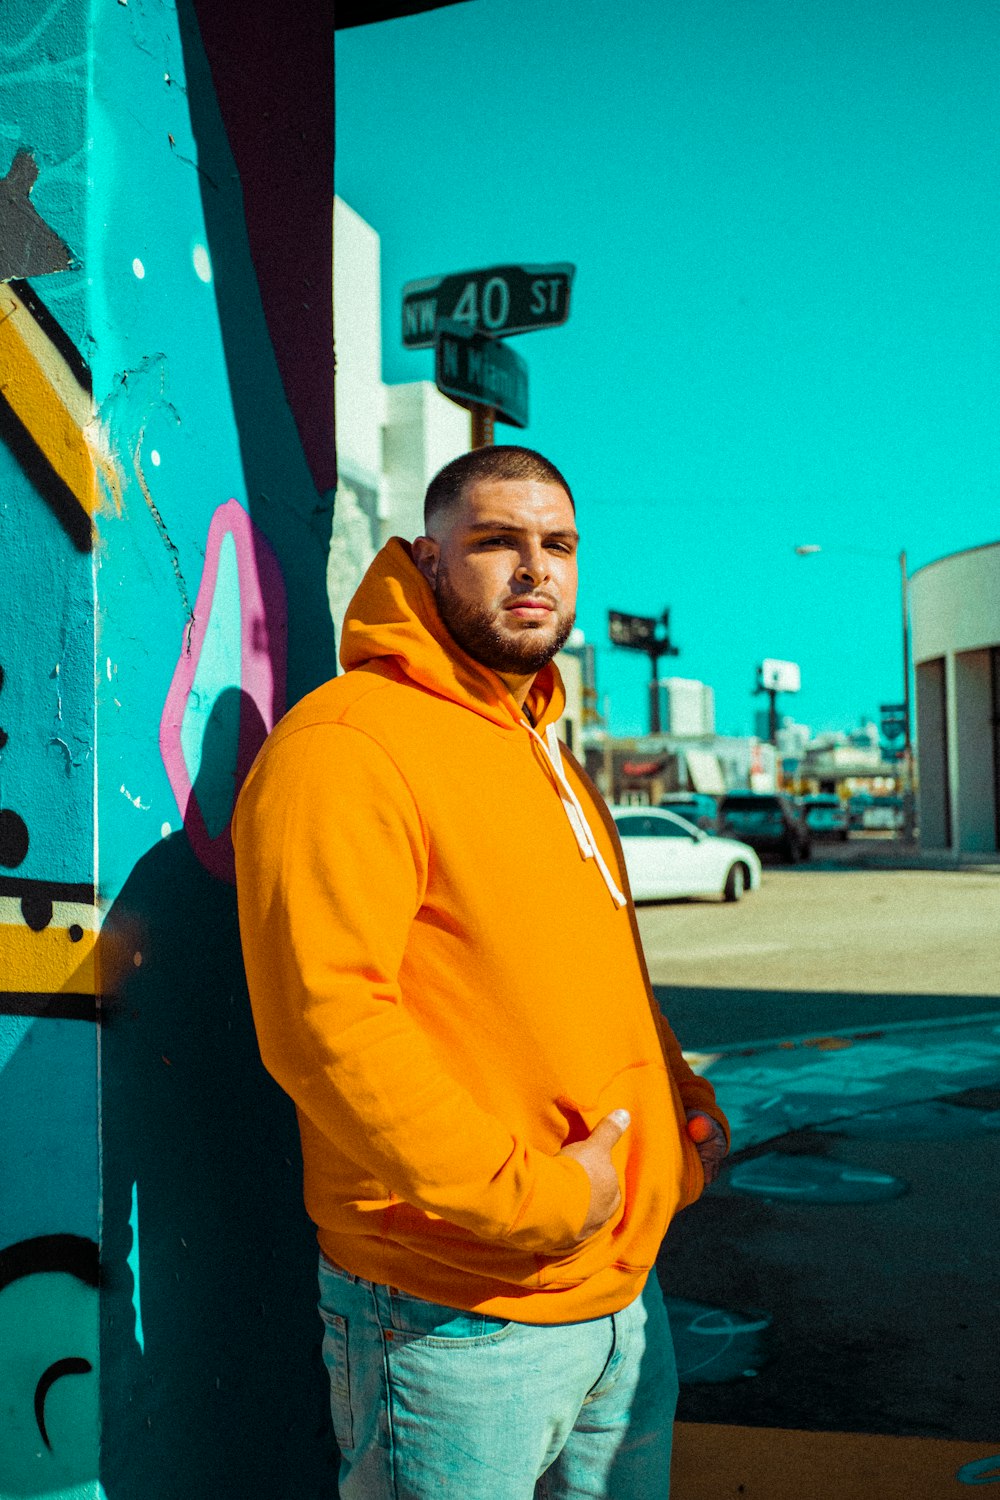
519 687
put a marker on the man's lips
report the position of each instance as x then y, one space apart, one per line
529 609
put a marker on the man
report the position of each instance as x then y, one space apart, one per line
446 978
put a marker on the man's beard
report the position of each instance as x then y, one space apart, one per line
479 634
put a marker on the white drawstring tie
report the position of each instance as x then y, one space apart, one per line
573 809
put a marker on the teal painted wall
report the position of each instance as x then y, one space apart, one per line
166 481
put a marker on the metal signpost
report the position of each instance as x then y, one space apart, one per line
465 316
639 633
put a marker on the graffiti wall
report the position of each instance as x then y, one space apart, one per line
166 473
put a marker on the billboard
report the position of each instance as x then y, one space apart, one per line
779 676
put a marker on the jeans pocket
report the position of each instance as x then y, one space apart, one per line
337 1361
412 1317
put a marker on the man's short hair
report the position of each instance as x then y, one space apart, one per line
505 461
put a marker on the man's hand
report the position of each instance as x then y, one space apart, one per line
709 1140
594 1156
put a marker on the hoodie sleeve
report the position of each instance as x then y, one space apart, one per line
695 1092
331 861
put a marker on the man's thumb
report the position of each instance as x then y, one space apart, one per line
609 1130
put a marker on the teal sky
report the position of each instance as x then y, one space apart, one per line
785 217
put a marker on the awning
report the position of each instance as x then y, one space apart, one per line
643 767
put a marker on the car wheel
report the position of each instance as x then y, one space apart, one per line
736 883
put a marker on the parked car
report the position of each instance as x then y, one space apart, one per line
871 812
768 821
883 813
697 807
826 816
667 856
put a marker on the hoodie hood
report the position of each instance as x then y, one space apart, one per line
393 619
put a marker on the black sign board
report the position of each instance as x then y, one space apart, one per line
499 301
635 631
478 371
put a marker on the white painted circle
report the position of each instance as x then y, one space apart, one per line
154 458
138 268
202 264
165 830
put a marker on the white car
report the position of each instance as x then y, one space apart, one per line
667 856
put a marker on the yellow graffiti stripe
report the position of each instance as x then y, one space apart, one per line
47 398
774 1463
47 962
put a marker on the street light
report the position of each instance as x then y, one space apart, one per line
809 549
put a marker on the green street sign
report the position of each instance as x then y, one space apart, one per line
478 371
500 300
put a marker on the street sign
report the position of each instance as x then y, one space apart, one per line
893 717
498 301
478 371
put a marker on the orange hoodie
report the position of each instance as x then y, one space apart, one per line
447 980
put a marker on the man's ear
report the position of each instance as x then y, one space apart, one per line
425 552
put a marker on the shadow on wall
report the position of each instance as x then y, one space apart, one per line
209 1261
272 244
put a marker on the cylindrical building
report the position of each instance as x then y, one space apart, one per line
955 614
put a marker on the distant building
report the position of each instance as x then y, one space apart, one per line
687 707
955 614
391 440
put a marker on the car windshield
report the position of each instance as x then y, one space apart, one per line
645 826
747 813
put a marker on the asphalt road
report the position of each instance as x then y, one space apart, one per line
826 948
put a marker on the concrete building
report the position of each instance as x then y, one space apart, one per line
955 615
391 439
687 707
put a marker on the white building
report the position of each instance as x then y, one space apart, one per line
687 707
391 439
955 616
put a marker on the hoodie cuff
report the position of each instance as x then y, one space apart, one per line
552 1215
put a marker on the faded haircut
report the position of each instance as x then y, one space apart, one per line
505 461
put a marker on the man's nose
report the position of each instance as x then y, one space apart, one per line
533 567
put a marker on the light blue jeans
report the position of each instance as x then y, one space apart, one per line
430 1401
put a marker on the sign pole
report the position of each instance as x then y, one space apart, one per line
482 426
654 693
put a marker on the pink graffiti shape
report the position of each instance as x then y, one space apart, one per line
263 656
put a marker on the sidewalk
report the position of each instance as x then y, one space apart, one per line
842 1275
878 853
772 1087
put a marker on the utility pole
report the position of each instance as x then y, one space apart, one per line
909 818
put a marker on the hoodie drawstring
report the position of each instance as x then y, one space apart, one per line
574 811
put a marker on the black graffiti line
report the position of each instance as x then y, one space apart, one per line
55 333
51 486
43 1006
71 1254
72 1365
81 893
